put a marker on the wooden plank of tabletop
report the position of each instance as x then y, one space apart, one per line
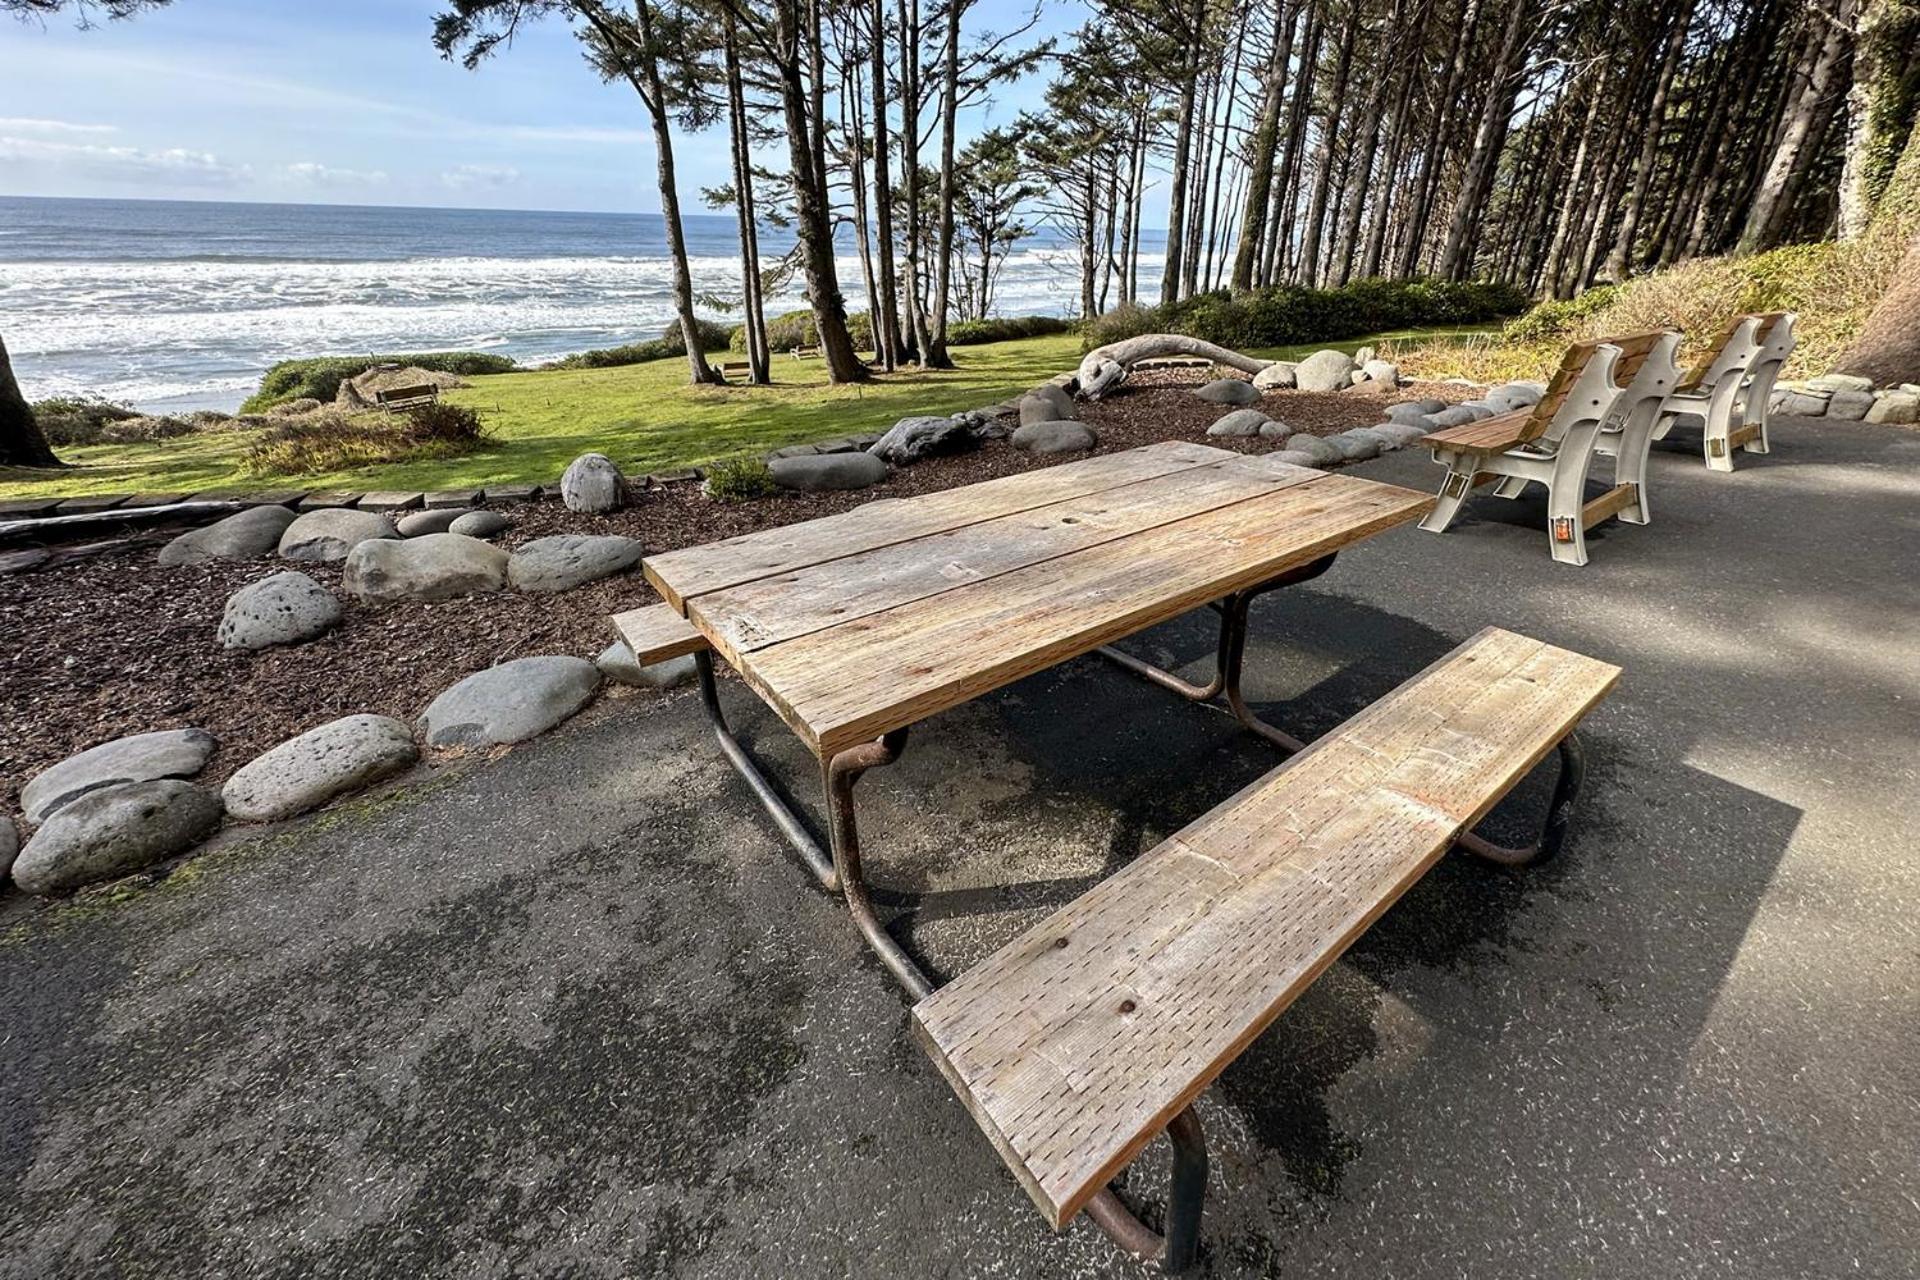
692 571
851 683
767 611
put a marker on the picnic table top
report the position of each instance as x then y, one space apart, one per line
857 624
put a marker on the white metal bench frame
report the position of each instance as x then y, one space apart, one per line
1627 434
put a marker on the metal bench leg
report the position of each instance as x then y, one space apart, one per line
748 768
842 772
1229 656
1179 1248
1573 771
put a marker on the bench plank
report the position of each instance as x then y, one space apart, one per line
656 633
757 614
1077 1043
692 571
853 682
1489 435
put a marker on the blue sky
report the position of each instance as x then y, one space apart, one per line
344 102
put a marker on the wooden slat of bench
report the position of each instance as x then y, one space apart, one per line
692 571
1634 350
770 610
1072 1057
851 683
656 633
1487 436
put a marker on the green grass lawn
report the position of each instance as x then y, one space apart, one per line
645 417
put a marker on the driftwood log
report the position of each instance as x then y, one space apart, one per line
65 528
1105 368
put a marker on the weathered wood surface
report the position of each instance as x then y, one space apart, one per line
656 633
693 571
61 528
757 614
890 669
1610 503
1487 436
1077 1043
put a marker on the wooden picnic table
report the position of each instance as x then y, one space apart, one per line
854 627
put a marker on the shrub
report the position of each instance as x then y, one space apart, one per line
738 478
333 441
1288 315
973 333
713 337
796 329
77 420
320 378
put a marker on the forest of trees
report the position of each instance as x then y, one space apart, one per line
1550 144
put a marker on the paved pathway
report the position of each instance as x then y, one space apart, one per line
575 1012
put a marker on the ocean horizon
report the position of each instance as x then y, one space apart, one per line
173 305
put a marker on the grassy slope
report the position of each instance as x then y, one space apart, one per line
643 416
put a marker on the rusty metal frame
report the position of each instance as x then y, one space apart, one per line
1230 657
1553 834
1179 1248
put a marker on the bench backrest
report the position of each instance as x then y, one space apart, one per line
1731 351
1777 339
406 395
1647 372
1582 391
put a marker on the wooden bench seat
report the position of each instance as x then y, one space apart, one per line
1489 435
1076 1044
656 633
407 397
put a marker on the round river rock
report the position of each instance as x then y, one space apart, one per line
286 608
305 772
512 702
328 534
434 566
567 560
241 536
143 757
114 831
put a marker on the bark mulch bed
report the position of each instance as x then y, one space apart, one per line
114 644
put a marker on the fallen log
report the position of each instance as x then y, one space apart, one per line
65 528
1104 368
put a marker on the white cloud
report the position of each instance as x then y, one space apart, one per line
469 177
322 175
23 124
124 164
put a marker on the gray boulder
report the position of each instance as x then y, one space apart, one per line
114 831
1525 394
1046 403
420 523
305 772
1802 404
1274 429
1479 408
9 845
1229 391
512 702
1849 406
1384 372
1315 447
911 439
1840 382
286 608
1895 408
1414 412
1277 375
242 536
592 485
617 663
567 560
434 566
1363 355
1401 433
1455 416
331 532
1324 371
1241 422
828 471
1358 444
480 524
1293 458
1055 437
143 757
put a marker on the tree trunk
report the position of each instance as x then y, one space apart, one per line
1426 185
813 220
1171 274
1456 259
910 167
1266 133
1279 220
1620 261
754 320
1887 348
1396 149
654 97
1788 165
886 325
21 441
1309 267
949 112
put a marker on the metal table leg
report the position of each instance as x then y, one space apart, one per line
1179 1248
1230 657
1573 772
748 768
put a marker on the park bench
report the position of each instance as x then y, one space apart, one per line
1079 1042
1552 442
735 368
804 352
1627 434
1734 378
406 397
656 633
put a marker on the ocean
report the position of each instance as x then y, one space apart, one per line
172 305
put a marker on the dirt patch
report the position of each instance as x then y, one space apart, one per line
114 644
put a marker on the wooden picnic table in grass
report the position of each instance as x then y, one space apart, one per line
1079 1042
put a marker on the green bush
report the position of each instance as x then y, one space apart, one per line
738 478
1554 319
796 329
318 443
320 378
1288 315
973 333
